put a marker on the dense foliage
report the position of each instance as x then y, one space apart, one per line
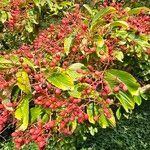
69 77
131 134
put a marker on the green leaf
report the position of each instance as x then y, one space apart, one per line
35 113
22 112
29 27
118 113
112 74
92 130
88 8
90 113
3 16
62 81
138 100
15 93
138 10
112 120
29 63
72 71
103 120
77 66
73 74
119 55
99 41
32 16
5 64
74 125
23 81
67 43
78 88
101 14
120 23
37 2
126 100
45 118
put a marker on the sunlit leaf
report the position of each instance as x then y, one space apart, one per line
23 81
90 113
22 112
35 113
68 43
138 10
103 120
88 8
118 113
101 14
112 75
62 81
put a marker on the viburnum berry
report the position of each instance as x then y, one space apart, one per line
116 89
124 88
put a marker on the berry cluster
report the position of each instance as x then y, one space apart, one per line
45 57
140 22
3 117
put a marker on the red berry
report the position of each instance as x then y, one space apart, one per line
58 91
124 88
116 89
14 134
108 101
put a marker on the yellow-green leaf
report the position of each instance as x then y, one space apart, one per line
67 43
120 23
101 14
62 81
23 81
103 120
22 113
90 113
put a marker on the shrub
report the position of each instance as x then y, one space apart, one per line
69 78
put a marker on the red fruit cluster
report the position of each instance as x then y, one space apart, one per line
140 23
37 133
46 56
119 87
3 117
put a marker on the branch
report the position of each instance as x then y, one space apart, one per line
145 88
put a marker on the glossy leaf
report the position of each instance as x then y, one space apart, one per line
87 7
74 125
78 88
77 66
103 120
126 100
45 118
29 27
29 63
120 23
3 16
119 55
138 100
22 113
118 113
62 81
35 113
101 14
5 64
90 113
138 10
99 41
68 43
112 120
23 81
112 74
